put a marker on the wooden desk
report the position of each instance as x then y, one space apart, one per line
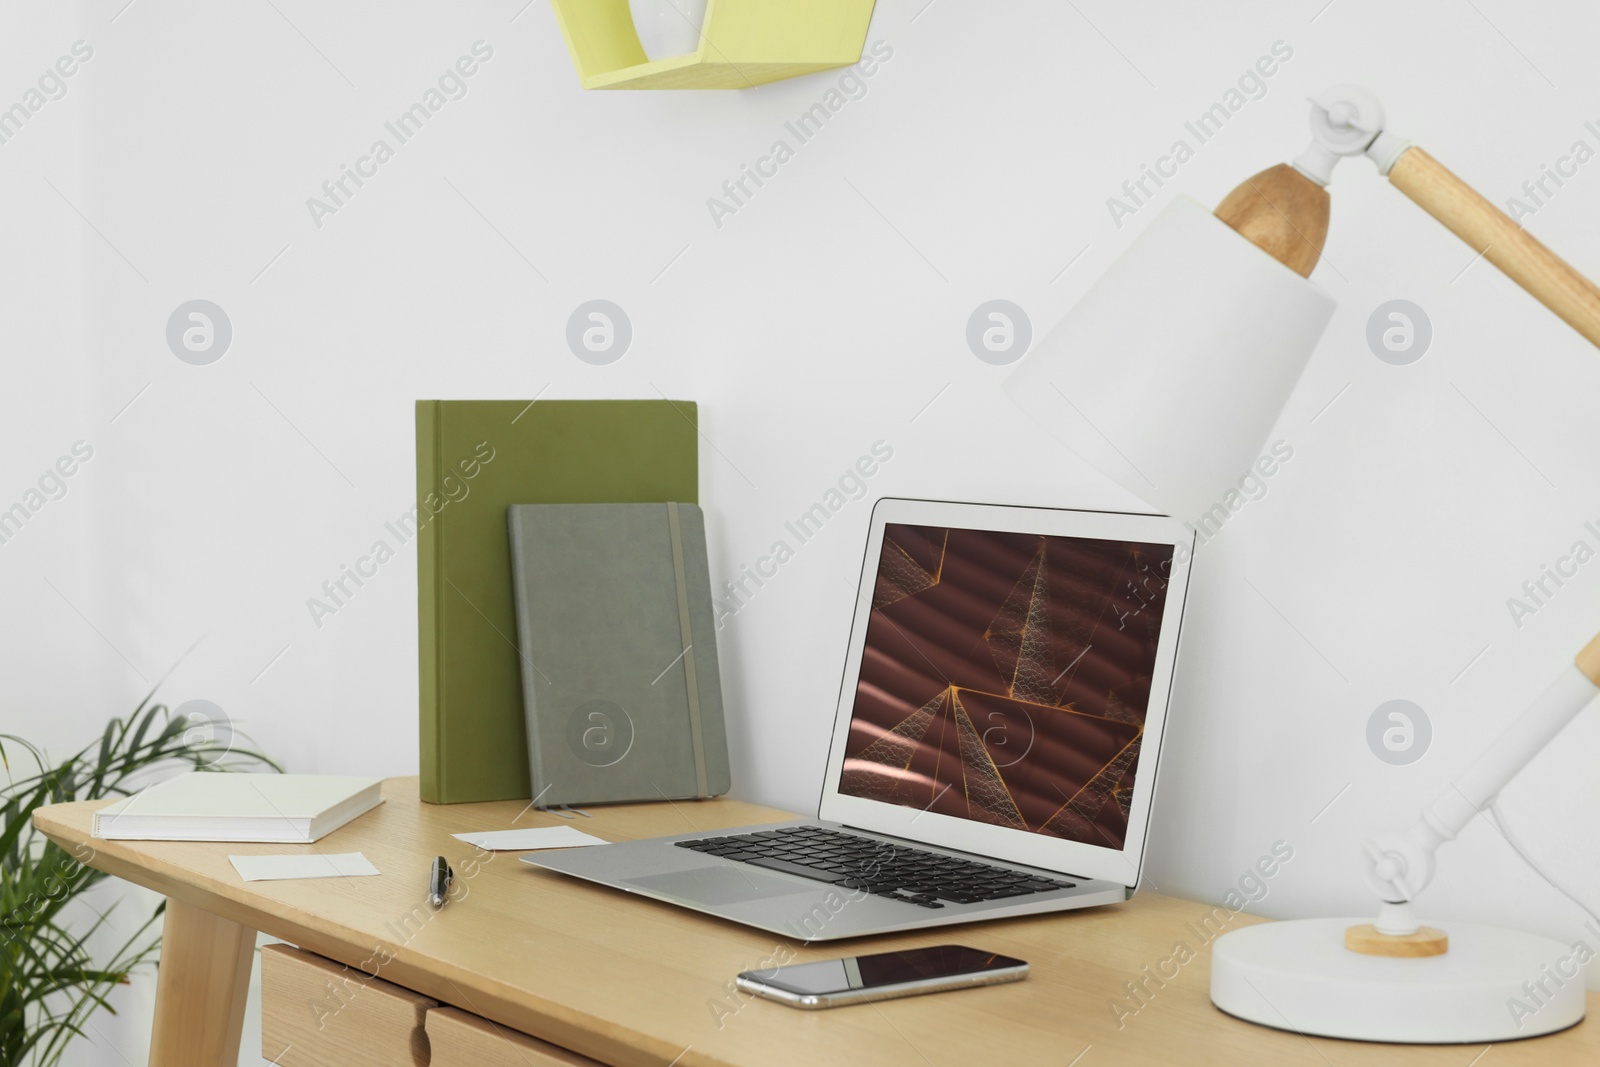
626 980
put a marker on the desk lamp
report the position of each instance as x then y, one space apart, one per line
1168 376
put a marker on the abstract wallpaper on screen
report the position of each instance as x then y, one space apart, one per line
1005 678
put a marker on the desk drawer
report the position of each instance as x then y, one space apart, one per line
325 1013
462 1040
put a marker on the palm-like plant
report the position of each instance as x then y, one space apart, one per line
49 983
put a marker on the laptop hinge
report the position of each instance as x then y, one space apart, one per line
978 856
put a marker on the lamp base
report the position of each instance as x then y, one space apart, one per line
1492 985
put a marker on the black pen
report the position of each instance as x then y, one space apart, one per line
439 879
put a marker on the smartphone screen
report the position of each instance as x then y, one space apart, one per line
883 969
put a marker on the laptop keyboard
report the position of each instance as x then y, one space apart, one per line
850 861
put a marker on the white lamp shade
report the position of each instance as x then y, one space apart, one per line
1171 371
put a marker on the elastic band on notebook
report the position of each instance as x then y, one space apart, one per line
702 788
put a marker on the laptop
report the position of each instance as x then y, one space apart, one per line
996 739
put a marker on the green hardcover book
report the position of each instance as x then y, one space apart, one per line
475 458
619 653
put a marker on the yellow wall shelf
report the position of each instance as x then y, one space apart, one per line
743 43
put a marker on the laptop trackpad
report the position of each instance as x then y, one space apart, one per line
721 885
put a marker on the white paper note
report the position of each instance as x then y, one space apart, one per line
534 837
305 865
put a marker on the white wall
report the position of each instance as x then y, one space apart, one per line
823 316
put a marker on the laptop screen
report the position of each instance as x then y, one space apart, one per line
1005 678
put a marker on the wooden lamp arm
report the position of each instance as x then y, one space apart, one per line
1588 660
1492 234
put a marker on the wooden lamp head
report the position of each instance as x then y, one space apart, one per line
1283 213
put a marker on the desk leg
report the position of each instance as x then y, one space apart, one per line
201 983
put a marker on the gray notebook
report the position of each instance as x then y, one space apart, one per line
619 653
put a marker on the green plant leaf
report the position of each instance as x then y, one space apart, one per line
50 984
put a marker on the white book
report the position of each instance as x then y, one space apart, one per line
207 806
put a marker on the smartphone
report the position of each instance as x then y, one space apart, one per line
882 976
